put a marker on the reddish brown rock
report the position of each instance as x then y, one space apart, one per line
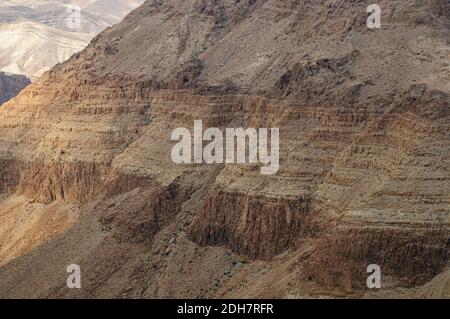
364 137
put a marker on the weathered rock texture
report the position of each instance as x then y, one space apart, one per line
365 153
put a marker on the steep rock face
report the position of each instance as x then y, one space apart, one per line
257 227
364 137
11 85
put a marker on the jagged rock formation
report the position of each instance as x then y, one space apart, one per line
365 143
11 85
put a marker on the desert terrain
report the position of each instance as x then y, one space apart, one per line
86 174
36 35
11 85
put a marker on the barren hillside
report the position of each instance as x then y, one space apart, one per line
11 85
36 35
364 118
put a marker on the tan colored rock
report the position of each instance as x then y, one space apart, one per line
365 140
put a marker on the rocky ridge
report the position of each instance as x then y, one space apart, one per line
364 125
11 85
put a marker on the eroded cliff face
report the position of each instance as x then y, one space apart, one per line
364 153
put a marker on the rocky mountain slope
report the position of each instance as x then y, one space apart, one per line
364 120
11 85
36 35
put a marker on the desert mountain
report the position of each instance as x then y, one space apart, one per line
11 85
36 35
364 118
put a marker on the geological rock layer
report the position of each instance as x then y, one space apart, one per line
364 120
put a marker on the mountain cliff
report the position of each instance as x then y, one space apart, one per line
364 146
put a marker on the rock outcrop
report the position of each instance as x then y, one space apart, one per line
364 144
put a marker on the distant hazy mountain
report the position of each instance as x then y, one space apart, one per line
37 34
11 85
